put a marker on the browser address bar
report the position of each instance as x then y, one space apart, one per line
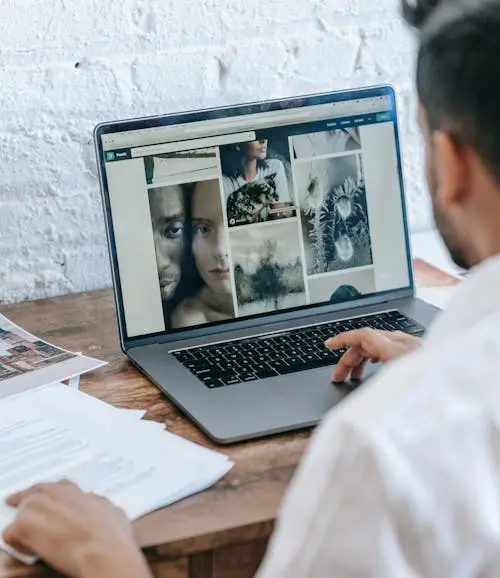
279 117
198 143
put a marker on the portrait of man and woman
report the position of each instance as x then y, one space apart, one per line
191 253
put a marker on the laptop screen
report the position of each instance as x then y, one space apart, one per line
252 214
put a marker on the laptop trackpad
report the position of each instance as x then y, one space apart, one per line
313 394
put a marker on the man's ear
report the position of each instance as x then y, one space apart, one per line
450 165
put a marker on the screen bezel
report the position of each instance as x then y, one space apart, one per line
234 111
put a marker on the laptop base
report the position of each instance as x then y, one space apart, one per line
264 407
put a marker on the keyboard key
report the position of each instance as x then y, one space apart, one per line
414 329
308 364
317 363
265 373
215 383
275 363
202 372
267 350
198 365
407 325
230 380
182 355
246 377
327 354
285 369
211 381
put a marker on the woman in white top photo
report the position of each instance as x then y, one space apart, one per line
248 162
252 181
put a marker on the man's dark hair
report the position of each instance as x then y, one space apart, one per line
458 71
417 13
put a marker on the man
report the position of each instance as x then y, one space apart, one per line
167 217
403 478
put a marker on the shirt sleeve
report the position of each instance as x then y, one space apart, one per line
281 181
329 525
230 185
345 516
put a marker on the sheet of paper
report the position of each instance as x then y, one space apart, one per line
133 414
27 362
53 433
90 403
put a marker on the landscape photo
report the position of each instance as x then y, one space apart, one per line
268 269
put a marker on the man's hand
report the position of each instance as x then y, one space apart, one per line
365 345
78 534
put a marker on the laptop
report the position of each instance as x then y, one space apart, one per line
242 237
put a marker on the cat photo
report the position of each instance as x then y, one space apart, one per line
252 202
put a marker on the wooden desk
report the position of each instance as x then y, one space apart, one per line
220 533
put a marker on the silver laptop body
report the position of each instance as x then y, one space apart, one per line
241 237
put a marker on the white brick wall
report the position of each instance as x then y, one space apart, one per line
140 57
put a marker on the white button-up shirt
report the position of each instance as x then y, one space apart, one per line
402 479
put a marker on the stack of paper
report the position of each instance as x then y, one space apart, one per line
55 432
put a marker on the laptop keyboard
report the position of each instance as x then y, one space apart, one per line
246 360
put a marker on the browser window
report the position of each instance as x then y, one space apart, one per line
246 216
245 122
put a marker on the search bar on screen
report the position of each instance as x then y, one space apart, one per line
265 119
198 143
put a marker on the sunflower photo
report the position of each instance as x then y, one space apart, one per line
334 214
